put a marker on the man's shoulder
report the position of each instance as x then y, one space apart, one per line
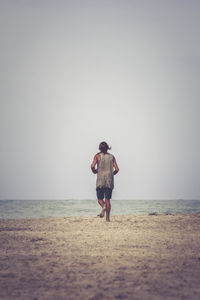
97 155
111 154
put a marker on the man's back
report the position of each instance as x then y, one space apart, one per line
105 177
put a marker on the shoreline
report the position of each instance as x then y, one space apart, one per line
131 257
41 209
96 216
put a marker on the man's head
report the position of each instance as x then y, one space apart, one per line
103 147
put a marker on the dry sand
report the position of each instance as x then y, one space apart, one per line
132 257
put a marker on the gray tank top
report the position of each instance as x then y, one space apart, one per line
105 177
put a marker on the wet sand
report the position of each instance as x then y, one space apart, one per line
132 257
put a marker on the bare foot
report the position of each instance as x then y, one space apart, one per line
101 215
107 219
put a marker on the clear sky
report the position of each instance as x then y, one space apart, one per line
75 73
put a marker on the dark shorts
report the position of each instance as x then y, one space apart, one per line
104 192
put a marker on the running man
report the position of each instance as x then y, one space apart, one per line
106 169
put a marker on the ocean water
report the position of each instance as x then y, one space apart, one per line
19 209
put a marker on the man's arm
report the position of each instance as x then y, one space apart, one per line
94 164
115 167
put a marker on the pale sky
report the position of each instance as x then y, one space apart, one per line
75 73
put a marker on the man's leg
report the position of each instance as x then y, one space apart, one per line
103 205
108 208
101 202
100 197
108 196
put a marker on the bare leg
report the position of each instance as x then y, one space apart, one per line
108 208
101 202
103 205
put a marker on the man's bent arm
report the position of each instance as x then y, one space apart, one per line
116 167
94 164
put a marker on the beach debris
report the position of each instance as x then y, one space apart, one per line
153 214
37 240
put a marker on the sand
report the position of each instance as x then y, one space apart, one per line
132 257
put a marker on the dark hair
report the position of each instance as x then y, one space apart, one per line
103 147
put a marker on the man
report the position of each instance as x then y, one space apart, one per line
106 169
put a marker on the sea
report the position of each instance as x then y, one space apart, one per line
21 209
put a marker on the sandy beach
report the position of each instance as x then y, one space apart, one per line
132 257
